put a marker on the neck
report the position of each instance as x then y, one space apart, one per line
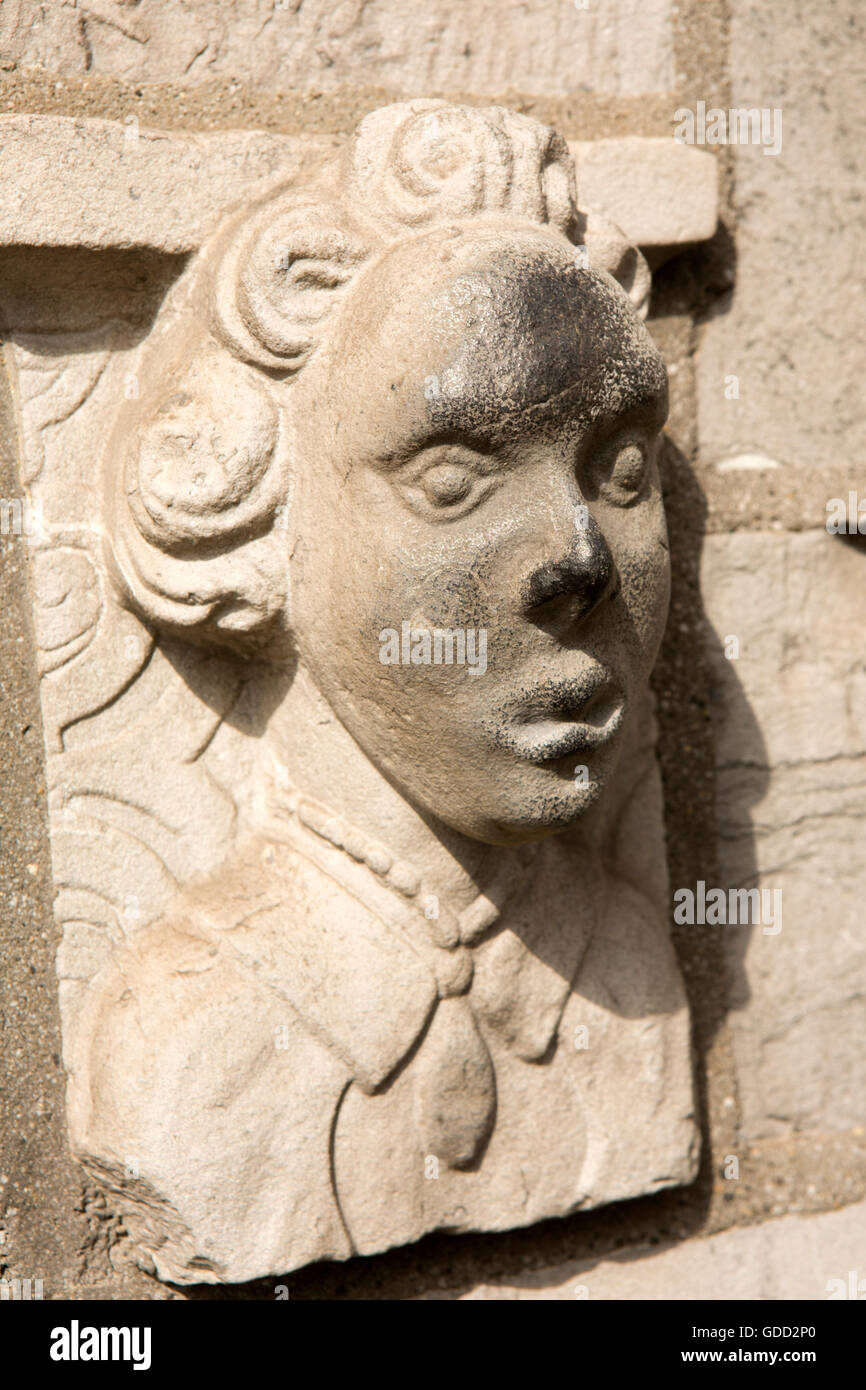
313 751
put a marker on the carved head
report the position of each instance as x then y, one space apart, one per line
409 411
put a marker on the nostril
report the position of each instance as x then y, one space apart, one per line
549 581
577 583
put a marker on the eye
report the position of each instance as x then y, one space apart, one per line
446 483
629 467
621 470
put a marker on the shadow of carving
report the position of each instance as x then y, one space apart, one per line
53 290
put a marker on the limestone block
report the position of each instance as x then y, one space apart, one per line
87 182
791 328
796 1257
790 718
664 193
104 184
440 46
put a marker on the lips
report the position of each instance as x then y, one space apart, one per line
559 718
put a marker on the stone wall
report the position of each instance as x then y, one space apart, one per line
761 684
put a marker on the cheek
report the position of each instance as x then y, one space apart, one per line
432 596
439 592
355 584
643 562
401 569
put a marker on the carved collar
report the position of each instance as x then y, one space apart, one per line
448 931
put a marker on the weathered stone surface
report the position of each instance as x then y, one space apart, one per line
662 193
790 719
326 972
785 444
796 1257
440 47
105 184
798 296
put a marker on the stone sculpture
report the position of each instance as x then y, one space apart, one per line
360 846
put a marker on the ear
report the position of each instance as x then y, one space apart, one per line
279 278
610 250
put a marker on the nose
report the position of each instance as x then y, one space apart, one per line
568 588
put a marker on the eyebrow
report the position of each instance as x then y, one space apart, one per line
648 395
645 396
428 436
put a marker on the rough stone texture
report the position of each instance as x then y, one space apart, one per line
661 193
790 721
53 1226
32 1191
794 1257
102 184
799 1171
799 273
164 813
123 186
443 46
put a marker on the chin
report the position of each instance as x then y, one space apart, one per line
547 802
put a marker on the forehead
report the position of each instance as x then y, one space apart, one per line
490 333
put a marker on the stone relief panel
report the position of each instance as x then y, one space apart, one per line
349 573
443 47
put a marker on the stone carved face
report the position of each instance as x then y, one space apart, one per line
478 446
456 411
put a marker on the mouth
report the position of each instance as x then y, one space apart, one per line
562 718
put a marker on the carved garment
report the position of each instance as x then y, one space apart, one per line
275 1079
